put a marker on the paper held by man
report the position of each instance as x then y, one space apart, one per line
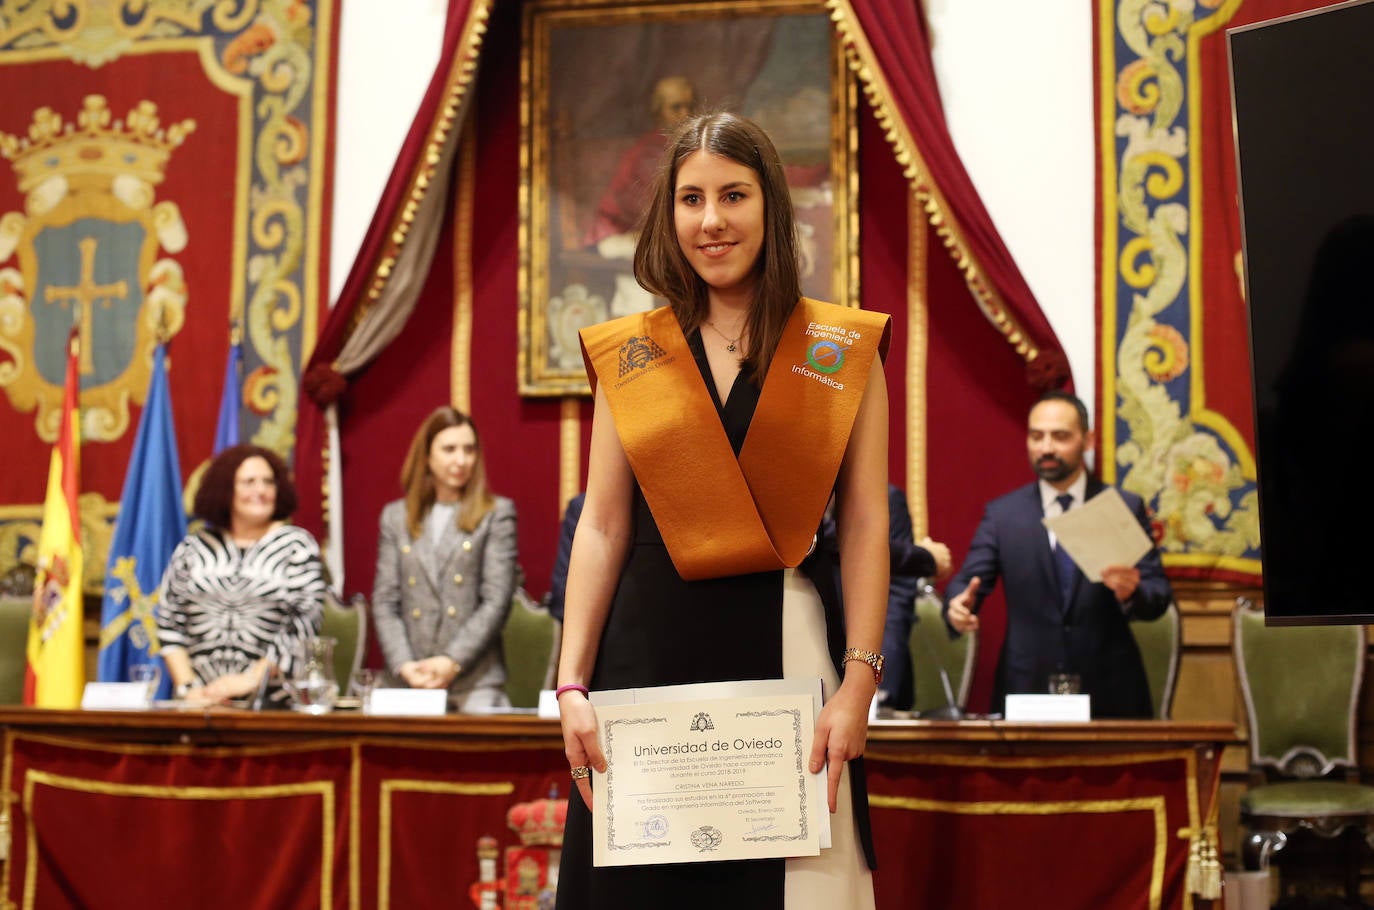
1102 532
716 771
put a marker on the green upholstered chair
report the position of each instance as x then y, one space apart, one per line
1159 641
931 649
531 640
14 637
348 625
1301 686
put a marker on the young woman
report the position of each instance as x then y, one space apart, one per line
242 593
722 425
446 569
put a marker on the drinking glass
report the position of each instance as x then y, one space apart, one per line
364 681
151 677
1065 684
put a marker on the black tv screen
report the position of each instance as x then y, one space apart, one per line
1303 101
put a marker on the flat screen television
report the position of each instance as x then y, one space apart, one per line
1303 102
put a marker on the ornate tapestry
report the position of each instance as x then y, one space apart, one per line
167 178
1176 414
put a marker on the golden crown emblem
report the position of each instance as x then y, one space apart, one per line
95 149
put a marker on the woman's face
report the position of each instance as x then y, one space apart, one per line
718 212
452 456
255 492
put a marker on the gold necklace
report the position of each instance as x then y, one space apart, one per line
730 343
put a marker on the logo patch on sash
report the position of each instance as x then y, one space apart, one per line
637 353
825 356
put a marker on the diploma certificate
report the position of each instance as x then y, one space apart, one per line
708 778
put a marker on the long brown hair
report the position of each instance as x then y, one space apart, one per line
661 266
476 500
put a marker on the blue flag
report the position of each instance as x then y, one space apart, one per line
227 429
152 521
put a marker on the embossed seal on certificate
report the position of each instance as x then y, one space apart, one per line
656 828
706 838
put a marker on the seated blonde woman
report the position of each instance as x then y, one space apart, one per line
446 569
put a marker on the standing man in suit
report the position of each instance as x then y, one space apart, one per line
1057 620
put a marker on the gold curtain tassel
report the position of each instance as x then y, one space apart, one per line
1192 882
1210 873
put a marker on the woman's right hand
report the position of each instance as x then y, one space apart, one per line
414 675
579 739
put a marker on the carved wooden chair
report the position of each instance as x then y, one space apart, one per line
531 640
932 650
1301 686
1159 641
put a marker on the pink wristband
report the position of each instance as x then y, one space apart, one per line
570 687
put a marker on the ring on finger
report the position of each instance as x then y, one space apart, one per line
581 772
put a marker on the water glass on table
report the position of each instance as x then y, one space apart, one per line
151 677
1065 684
364 680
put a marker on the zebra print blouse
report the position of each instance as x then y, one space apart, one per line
228 606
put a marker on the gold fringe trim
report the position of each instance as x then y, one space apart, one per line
460 357
917 346
864 63
461 74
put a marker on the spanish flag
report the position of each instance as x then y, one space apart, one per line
56 669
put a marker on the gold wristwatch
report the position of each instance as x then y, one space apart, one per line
872 658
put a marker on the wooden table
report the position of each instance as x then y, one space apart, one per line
352 811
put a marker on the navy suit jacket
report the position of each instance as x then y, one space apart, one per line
1090 637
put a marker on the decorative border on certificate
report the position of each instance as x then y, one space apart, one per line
656 827
801 778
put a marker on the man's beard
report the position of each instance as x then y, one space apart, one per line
1053 469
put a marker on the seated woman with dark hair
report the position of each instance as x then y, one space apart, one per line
242 593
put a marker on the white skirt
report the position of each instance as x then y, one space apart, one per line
839 876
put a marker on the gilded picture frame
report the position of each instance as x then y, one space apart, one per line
600 85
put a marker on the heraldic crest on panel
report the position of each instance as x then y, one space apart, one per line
93 248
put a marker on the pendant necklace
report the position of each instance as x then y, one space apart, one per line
730 343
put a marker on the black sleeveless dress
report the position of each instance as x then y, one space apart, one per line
662 631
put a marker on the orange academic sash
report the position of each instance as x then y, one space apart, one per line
720 515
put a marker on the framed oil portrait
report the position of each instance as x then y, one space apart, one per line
602 84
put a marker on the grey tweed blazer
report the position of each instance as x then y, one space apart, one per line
450 598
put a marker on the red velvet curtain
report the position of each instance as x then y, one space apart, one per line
321 385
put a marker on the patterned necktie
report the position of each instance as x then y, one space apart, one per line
1062 562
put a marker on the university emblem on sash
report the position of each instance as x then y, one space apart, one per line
89 249
637 353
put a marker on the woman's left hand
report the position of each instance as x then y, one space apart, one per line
842 730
